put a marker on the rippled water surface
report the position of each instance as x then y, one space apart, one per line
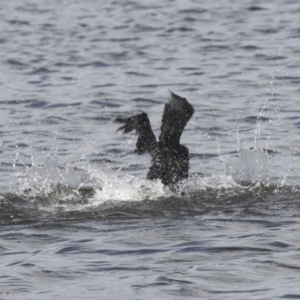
78 217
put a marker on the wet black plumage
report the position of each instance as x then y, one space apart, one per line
170 160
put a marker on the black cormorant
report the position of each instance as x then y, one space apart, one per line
170 160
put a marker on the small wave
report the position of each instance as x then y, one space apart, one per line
131 197
86 192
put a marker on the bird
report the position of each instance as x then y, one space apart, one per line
169 159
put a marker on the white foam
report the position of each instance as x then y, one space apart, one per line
126 188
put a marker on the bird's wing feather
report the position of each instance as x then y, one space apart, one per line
176 115
146 139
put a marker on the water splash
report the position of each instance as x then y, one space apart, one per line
61 184
40 180
251 166
72 192
88 190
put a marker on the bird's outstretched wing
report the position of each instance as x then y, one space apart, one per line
146 139
176 115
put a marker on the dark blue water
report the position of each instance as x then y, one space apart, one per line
78 217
